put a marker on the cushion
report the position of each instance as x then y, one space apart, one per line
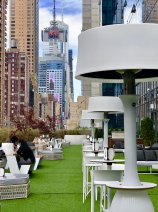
140 155
150 155
14 179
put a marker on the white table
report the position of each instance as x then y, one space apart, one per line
108 162
86 182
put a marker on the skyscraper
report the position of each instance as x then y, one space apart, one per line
54 69
24 16
3 12
16 84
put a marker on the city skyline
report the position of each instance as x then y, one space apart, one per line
72 16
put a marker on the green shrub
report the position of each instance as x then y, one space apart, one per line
4 134
147 131
28 134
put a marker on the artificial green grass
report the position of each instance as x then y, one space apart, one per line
57 187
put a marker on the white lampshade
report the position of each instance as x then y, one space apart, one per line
108 104
86 114
105 52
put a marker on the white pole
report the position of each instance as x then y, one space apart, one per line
105 142
130 174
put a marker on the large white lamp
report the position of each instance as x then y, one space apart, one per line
125 53
89 115
106 105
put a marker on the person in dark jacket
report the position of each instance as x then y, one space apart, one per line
25 153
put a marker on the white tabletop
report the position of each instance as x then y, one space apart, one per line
107 161
142 186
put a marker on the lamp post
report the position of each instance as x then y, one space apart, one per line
106 105
89 115
123 53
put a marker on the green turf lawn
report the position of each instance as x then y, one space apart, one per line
57 187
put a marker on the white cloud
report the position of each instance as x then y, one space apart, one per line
74 23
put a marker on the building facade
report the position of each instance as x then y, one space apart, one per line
3 12
24 18
150 11
16 85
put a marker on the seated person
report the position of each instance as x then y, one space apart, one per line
24 153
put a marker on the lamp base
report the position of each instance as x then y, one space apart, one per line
131 198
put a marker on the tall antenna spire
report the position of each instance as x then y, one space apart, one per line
62 12
54 13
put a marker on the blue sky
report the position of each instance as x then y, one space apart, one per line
72 16
69 6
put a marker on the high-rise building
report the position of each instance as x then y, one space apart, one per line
55 69
16 84
24 17
3 12
51 78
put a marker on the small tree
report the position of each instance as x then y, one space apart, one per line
147 131
23 126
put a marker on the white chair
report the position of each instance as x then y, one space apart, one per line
57 144
86 167
13 166
100 178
